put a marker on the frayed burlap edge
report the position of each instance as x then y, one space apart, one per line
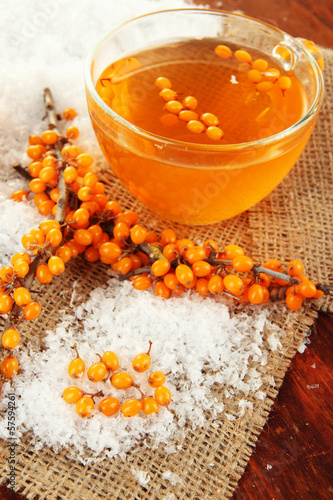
293 222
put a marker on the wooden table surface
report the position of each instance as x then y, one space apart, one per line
293 457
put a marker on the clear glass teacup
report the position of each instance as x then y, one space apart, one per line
201 182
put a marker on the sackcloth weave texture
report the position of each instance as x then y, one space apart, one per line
293 222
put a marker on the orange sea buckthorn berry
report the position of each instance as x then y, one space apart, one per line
271 75
242 56
215 284
54 237
9 366
111 361
179 290
96 372
209 119
168 236
35 139
43 274
122 380
150 405
81 216
187 115
170 251
91 254
83 237
138 234
101 200
19 195
96 232
85 406
32 311
260 64
234 284
142 283
242 263
273 265
161 290
84 160
6 273
56 265
190 102
69 114
131 407
40 198
54 194
110 250
214 133
46 207
254 76
201 268
266 294
263 87
10 338
29 241
64 252
255 294
142 361
151 237
123 265
49 137
295 268
109 406
223 51
264 279
47 225
34 168
171 281
307 289
70 175
284 82
156 379
38 233
168 95
195 253
77 366
90 180
174 107
20 256
85 193
50 161
162 395
36 151
232 251
72 395
184 274
21 296
72 132
129 217
163 83
136 261
160 267
21 269
201 286
69 151
294 301
37 186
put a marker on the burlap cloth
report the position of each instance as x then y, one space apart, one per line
293 222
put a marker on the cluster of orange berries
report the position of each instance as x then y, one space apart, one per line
105 370
100 230
258 71
185 111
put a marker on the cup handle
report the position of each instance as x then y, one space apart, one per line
314 50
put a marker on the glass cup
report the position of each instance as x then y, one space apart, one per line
188 182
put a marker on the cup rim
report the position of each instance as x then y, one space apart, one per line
197 146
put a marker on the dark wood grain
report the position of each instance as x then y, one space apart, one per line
293 458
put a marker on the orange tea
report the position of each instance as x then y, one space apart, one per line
182 166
